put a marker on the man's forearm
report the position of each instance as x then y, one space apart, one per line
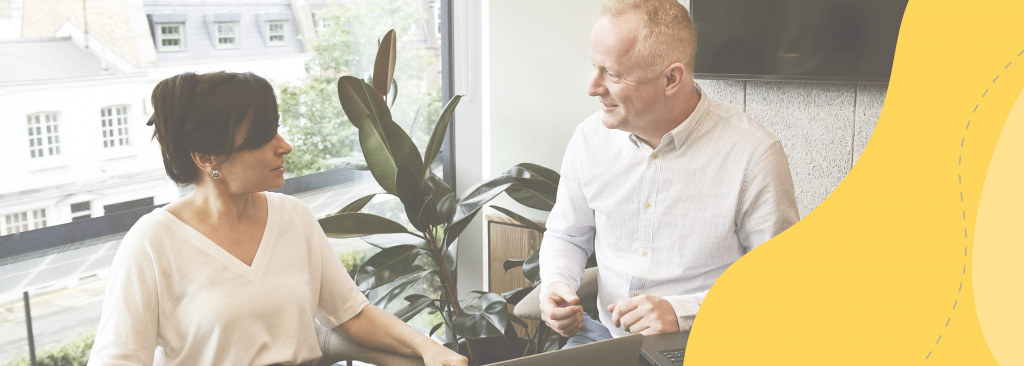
561 261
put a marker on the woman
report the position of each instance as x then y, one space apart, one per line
230 274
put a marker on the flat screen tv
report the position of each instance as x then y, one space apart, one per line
800 40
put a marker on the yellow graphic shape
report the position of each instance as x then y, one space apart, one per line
882 271
999 245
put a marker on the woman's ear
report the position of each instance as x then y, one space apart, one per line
205 162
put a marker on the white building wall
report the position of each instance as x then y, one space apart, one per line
84 170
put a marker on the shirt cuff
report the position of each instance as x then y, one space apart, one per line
686 307
549 279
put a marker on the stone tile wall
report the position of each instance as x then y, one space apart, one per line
824 127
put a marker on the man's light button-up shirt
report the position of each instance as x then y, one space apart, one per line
720 186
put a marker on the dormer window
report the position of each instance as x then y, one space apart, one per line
277 34
227 35
170 37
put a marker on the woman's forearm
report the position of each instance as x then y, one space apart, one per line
376 328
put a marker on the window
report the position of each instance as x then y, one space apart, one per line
81 211
24 221
115 126
276 33
320 22
169 37
43 137
227 35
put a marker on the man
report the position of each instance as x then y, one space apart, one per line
666 185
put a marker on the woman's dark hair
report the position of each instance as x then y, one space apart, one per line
200 112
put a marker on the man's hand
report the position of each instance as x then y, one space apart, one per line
559 311
644 314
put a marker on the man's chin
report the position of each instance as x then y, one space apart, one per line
611 122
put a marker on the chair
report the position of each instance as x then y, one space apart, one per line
529 306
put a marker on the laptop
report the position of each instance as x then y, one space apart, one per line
612 352
665 349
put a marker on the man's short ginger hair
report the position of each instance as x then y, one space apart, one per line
666 34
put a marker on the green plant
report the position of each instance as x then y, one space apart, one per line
481 326
73 351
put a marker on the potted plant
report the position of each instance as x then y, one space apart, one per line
482 325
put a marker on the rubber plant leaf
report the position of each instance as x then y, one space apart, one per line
384 241
428 212
386 146
450 257
409 311
512 263
356 97
528 170
411 194
515 296
533 193
358 204
403 283
384 64
520 219
386 266
435 328
356 224
440 129
483 316
531 268
477 197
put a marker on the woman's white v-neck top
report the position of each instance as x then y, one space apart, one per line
170 286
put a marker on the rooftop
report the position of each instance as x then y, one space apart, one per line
46 59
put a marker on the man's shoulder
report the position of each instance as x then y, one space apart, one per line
740 124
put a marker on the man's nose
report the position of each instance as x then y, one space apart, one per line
596 86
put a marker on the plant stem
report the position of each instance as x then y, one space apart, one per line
446 280
469 348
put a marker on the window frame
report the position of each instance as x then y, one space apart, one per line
123 132
218 36
47 143
160 47
270 34
36 218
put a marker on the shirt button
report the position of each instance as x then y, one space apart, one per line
635 294
643 253
655 156
647 205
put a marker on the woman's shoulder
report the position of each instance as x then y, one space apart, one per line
148 233
286 203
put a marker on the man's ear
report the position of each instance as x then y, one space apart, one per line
205 162
674 77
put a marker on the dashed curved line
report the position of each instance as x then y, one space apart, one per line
964 211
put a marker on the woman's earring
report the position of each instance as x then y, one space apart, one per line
216 174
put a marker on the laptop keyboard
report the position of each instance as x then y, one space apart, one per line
676 356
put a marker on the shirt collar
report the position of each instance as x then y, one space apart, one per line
681 132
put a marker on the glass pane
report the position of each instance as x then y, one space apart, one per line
312 121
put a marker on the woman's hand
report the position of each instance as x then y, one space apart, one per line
442 356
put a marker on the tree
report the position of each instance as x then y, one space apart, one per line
313 120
